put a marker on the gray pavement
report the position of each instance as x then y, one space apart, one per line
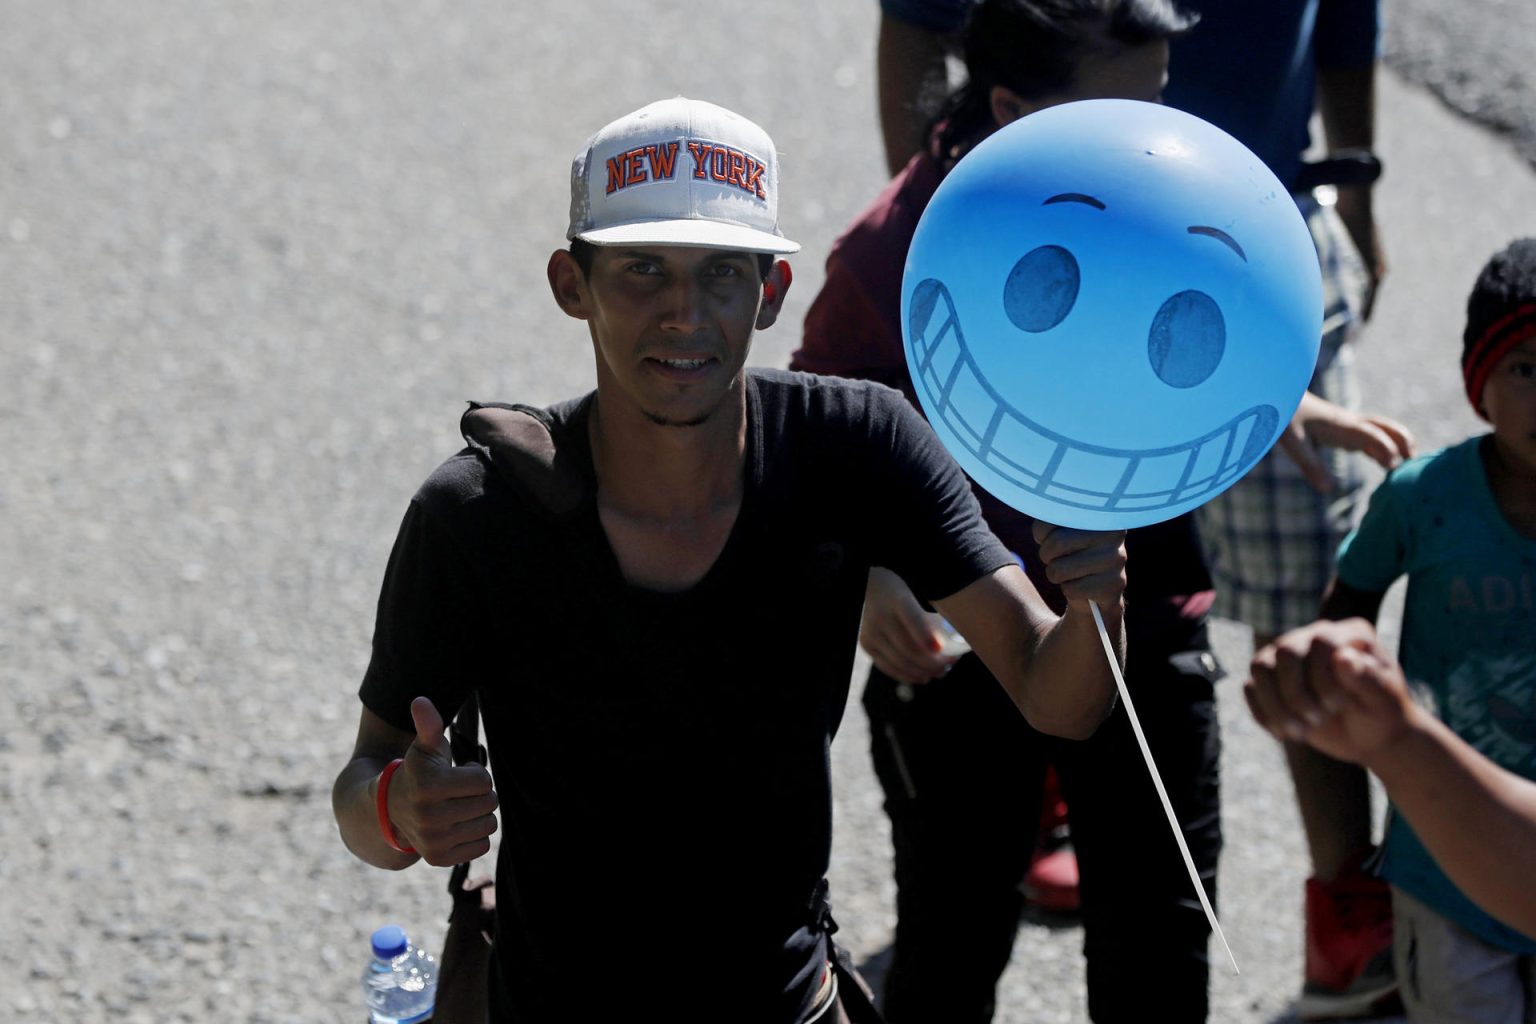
1472 55
253 257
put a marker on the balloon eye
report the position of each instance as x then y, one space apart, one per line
1187 339
1041 288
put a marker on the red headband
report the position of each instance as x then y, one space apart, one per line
1484 353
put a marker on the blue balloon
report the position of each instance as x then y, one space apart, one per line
1111 311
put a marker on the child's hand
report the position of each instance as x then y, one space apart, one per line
1331 685
1319 422
904 642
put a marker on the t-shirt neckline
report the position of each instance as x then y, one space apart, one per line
752 478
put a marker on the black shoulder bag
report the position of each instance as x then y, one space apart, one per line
463 969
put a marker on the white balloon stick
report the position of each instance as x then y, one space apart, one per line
1146 753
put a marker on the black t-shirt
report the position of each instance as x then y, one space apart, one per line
662 759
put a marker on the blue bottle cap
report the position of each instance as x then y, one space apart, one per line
390 942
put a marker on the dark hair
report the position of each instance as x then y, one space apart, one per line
1507 282
1033 48
583 253
1501 312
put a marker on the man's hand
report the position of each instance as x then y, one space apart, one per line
905 642
1086 565
1319 422
445 811
1331 685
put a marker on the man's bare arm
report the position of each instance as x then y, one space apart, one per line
1477 820
910 68
1054 668
1346 101
1331 685
354 796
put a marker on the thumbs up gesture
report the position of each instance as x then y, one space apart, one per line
446 811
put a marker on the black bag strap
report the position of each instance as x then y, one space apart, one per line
852 993
464 733
518 443
463 968
464 742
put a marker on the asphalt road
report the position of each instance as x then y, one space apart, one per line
253 257
1470 55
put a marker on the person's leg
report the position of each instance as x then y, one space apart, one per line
1449 976
1334 798
1145 934
1273 541
1050 884
961 771
1348 909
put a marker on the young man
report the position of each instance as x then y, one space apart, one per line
655 593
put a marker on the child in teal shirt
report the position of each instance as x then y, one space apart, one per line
1461 523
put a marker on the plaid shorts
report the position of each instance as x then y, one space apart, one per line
1273 540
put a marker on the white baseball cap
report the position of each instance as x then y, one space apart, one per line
679 172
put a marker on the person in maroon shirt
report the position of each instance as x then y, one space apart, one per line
962 774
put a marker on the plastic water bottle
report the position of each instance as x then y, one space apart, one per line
400 984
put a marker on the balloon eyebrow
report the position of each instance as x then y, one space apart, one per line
1075 197
1222 237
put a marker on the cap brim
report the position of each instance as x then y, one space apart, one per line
701 234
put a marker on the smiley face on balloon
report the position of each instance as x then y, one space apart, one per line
1111 310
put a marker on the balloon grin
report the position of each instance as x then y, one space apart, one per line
1059 466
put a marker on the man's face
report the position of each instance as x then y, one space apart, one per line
1509 402
671 325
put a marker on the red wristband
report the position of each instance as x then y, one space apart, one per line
383 802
